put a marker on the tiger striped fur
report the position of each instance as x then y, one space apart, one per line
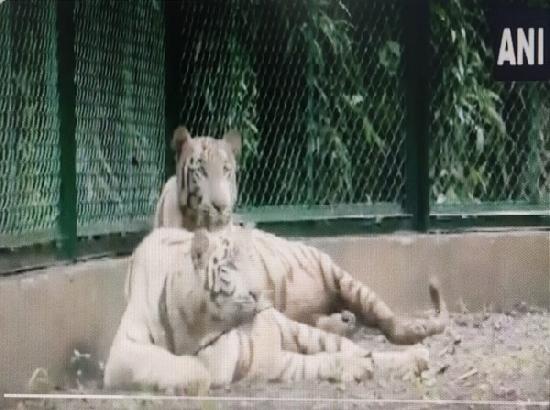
276 348
303 282
192 321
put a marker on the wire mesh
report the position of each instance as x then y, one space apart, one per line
119 78
29 164
314 87
489 139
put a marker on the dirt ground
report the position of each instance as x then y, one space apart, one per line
495 360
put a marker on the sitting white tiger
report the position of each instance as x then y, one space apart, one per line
192 321
303 282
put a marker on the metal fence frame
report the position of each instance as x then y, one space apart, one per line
415 214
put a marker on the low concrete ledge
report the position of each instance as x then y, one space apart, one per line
498 269
46 314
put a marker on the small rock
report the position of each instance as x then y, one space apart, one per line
521 307
463 320
508 393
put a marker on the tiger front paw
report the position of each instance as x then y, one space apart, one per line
420 358
191 379
354 368
413 360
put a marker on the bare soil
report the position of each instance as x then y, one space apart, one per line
483 361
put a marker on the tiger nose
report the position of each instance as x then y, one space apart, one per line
219 206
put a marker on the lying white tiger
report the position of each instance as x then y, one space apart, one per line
192 321
303 282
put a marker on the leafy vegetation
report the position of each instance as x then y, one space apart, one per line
480 128
315 88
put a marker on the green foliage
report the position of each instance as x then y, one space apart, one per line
240 86
466 109
328 123
480 128
331 68
345 117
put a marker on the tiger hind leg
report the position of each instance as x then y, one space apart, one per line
321 366
311 353
398 330
371 309
301 338
301 352
279 349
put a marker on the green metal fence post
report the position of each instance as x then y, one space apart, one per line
416 18
311 112
533 158
172 83
67 124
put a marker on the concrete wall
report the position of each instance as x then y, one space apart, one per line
45 314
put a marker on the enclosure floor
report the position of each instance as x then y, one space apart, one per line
488 357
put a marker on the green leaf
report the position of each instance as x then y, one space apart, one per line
480 139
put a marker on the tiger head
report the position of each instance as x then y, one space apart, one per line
206 171
229 300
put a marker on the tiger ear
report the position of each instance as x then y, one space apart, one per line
234 139
180 137
199 248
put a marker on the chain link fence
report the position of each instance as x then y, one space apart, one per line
490 140
119 78
29 151
316 88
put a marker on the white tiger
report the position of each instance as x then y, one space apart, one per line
303 282
192 321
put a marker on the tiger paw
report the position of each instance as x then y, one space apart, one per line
420 357
190 379
342 323
411 361
354 368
